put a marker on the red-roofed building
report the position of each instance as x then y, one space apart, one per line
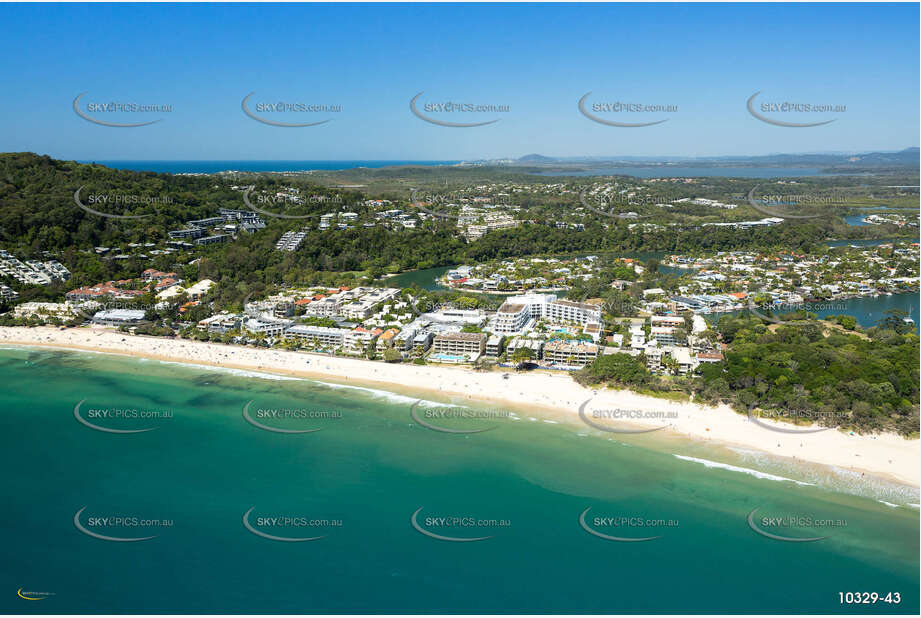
152 274
710 357
166 283
102 290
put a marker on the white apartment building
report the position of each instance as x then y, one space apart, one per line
666 320
8 293
324 308
290 241
516 312
569 311
535 345
220 323
665 335
321 335
511 318
460 316
118 317
472 344
356 341
637 336
61 310
593 330
562 353
270 328
493 345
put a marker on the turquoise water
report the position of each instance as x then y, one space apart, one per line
370 468
856 220
868 310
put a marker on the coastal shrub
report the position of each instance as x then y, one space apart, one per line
621 369
864 384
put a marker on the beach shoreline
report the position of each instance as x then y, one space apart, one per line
548 396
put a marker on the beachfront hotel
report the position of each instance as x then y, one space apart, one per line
322 335
267 327
511 318
472 344
562 353
118 317
518 313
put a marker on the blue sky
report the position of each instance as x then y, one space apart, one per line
537 59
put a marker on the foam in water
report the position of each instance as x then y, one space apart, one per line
755 473
382 394
243 373
834 478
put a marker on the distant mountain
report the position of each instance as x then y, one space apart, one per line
908 157
536 158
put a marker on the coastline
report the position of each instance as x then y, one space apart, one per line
549 397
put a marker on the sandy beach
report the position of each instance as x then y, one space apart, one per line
549 396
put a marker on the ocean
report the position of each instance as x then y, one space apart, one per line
655 171
212 167
357 483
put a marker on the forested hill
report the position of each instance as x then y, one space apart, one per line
38 211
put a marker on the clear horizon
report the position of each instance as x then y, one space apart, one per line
513 157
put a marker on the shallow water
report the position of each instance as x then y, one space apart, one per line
370 467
